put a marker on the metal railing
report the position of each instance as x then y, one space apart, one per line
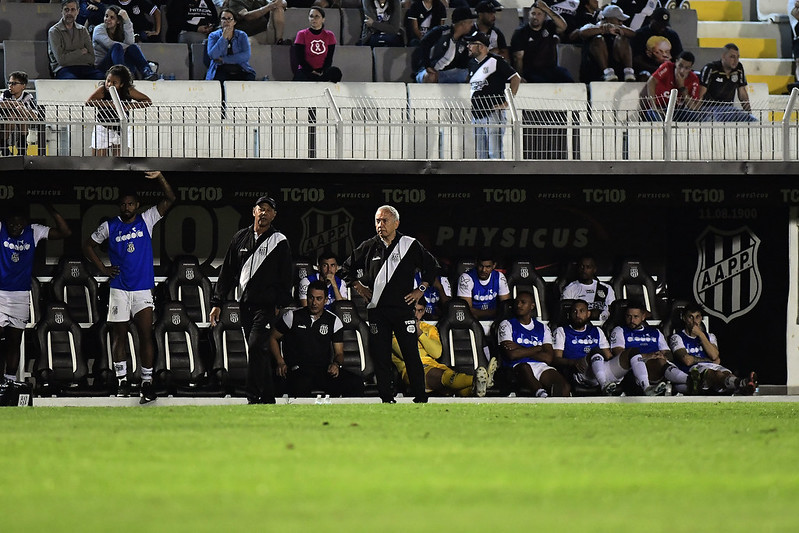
373 128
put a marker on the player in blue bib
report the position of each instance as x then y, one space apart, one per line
130 252
483 287
336 288
19 240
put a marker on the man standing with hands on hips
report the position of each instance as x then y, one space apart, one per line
381 270
258 263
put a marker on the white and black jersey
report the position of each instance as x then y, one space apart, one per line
389 270
487 83
307 342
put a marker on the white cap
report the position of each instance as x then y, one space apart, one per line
613 11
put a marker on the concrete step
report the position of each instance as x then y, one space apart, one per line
749 47
717 9
733 30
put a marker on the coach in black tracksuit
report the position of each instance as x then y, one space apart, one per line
258 261
382 270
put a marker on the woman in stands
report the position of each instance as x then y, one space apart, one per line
229 51
382 23
15 103
312 53
106 137
114 44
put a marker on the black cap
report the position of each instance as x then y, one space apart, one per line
486 6
661 14
462 13
266 200
477 37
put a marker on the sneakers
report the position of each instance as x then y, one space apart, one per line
123 388
656 389
610 75
147 393
749 385
629 74
480 382
492 369
151 73
609 389
696 380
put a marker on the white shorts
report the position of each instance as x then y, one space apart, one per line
538 368
15 310
613 367
104 137
123 305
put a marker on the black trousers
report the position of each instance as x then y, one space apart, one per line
257 320
301 382
383 321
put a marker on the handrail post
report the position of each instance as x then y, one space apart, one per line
668 122
516 124
786 124
339 124
123 121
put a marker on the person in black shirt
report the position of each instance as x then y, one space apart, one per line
719 83
535 46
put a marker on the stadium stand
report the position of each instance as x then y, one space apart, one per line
461 337
229 348
61 366
392 64
521 275
27 21
351 26
27 56
73 286
173 59
178 365
188 284
357 358
634 283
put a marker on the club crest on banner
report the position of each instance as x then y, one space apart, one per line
326 230
727 281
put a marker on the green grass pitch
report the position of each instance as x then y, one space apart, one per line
402 468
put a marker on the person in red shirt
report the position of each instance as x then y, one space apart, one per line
678 75
312 53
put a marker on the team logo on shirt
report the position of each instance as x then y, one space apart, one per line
14 257
410 326
318 47
727 279
327 230
373 328
323 329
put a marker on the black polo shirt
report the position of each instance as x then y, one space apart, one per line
308 343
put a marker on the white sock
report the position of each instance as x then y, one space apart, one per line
10 377
639 371
146 374
609 71
731 383
675 375
599 367
541 393
121 369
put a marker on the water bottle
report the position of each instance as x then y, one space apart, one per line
318 400
171 76
327 399
265 78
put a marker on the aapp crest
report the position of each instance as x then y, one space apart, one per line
326 230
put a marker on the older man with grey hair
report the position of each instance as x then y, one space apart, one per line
381 270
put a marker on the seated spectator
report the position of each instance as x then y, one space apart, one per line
16 104
262 20
658 51
483 287
658 25
113 44
588 288
190 21
421 17
606 49
443 55
439 378
91 13
106 138
678 75
312 54
229 51
69 47
382 23
576 13
535 46
328 266
146 18
639 10
793 18
485 24
719 82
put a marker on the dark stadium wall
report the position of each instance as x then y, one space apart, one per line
723 242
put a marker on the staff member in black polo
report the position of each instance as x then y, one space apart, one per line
258 263
306 360
381 270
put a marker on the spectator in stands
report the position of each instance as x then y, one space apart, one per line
535 46
146 18
678 75
436 295
262 20
70 47
309 335
114 45
443 56
16 104
132 281
440 378
488 74
576 13
658 51
335 287
312 54
20 239
696 352
793 18
588 288
639 10
483 287
421 17
190 21
106 138
382 23
526 347
229 51
719 82
658 26
91 13
606 48
485 23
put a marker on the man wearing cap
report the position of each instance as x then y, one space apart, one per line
607 47
258 264
442 55
535 46
486 23
658 25
488 74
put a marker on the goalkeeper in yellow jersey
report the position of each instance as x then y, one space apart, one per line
440 378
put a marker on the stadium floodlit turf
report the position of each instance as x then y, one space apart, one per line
404 468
